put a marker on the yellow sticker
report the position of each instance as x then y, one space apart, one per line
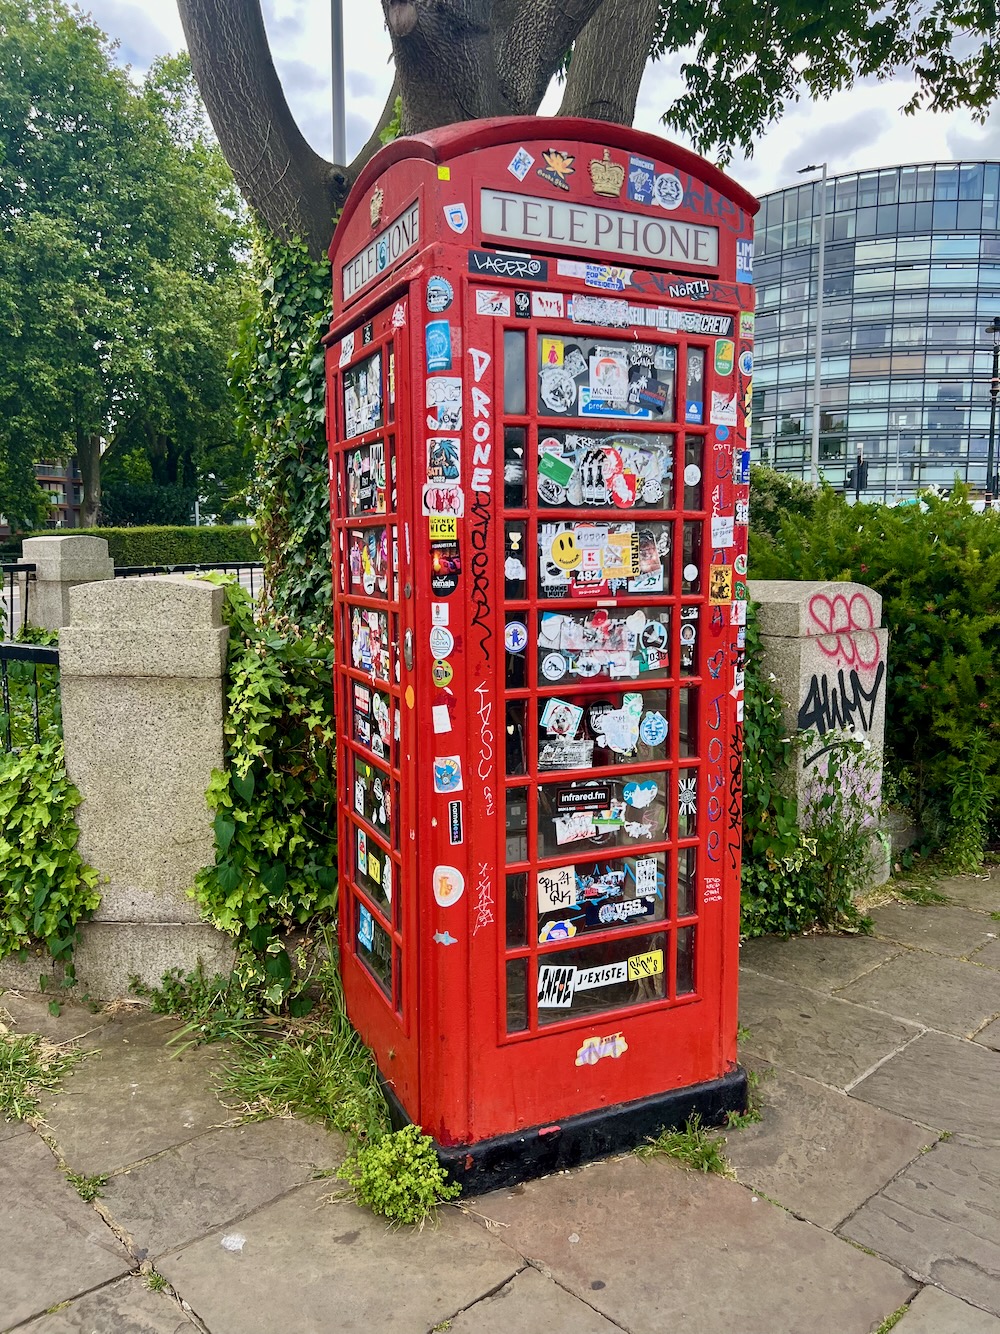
409 697
374 870
552 352
444 173
720 585
645 965
564 551
443 527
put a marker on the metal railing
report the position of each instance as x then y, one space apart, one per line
249 573
14 603
29 694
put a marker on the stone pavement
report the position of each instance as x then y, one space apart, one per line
872 1183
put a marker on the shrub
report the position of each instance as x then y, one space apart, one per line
172 546
398 1176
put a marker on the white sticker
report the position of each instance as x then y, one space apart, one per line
722 530
547 305
690 575
442 641
441 718
439 613
492 303
520 164
449 885
645 875
692 475
346 349
556 889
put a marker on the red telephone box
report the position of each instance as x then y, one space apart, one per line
538 404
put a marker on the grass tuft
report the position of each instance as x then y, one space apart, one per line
29 1066
694 1147
891 1321
88 1188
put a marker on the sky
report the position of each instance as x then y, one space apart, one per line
853 131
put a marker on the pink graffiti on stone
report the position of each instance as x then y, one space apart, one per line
845 629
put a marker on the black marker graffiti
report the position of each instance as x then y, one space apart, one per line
827 709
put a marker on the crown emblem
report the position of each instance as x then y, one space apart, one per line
608 177
375 206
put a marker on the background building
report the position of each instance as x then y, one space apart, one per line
64 486
912 277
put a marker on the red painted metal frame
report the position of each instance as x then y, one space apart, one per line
441 1036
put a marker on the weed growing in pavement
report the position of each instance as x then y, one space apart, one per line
155 1282
88 1188
215 1008
29 1066
754 1110
694 1147
891 1321
398 1176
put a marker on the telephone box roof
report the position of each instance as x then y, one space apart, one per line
451 141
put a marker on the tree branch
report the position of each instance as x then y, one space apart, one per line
608 61
445 61
295 190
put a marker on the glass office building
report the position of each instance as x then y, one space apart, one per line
912 278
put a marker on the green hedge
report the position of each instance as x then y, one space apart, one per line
171 546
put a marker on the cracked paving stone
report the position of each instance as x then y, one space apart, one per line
950 931
126 1307
822 963
990 1036
531 1302
941 993
935 1312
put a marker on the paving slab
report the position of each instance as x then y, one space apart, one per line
125 1307
531 1302
952 931
990 1036
819 1152
940 1220
947 994
9 1128
988 956
935 1312
134 1098
979 892
29 1013
53 1245
821 963
942 1082
335 1266
822 1038
212 1180
655 1247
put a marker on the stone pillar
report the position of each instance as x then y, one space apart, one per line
61 563
141 668
825 644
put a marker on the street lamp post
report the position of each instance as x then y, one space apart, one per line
993 328
817 373
337 64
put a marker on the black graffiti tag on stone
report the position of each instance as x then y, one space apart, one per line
838 707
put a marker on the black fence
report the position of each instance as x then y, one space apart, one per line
249 573
29 694
15 591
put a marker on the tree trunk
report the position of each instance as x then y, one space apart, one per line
608 61
88 456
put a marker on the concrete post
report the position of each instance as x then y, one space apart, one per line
61 563
825 644
141 666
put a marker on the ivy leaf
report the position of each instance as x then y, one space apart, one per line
243 785
228 876
224 831
274 878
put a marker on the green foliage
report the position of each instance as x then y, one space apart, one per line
275 837
398 1176
694 1147
891 1321
937 567
131 504
214 1007
88 1188
46 889
175 546
155 1281
32 689
278 381
29 1067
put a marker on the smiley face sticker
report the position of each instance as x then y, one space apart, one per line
564 551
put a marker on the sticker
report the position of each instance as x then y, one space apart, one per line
449 885
725 351
455 834
556 931
595 1049
645 965
564 551
556 889
440 295
746 324
456 217
399 315
444 938
641 175
492 303
444 173
552 351
617 729
723 409
607 177
522 305
641 793
722 531
520 164
442 673
720 585
443 458
560 718
744 261
740 563
599 310
742 515
741 467
366 927
553 666
746 362
557 388
409 697
442 528
603 975
437 341
722 433
504 264
558 167
738 614
443 395
547 305
442 641
368 333
692 475
668 191
515 637
690 576
446 500
448 773
346 349
440 613
653 729
555 986
446 566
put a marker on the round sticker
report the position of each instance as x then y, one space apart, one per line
441 673
439 294
564 551
746 362
515 637
668 191
740 564
653 729
690 573
692 475
558 389
687 633
449 885
550 492
442 641
553 666
722 433
654 635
